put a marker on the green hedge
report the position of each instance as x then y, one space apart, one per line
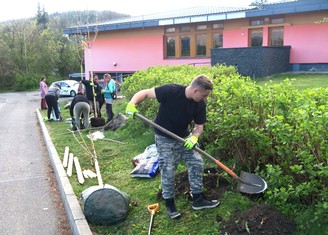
275 131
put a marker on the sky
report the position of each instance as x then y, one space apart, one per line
18 9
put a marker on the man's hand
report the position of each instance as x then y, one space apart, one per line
131 109
190 142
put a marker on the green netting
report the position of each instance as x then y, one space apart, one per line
105 205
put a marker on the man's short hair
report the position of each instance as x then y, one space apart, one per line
202 81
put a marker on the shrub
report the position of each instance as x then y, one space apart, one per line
275 131
25 82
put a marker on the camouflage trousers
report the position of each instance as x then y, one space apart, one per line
170 153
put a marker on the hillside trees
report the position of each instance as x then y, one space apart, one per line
31 48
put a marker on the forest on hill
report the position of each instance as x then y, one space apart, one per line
35 47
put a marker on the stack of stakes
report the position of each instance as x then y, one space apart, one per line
69 160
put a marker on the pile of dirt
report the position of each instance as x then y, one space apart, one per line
214 185
262 219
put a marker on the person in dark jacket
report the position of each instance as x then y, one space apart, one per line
79 110
51 98
89 85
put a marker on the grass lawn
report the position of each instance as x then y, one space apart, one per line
115 166
300 80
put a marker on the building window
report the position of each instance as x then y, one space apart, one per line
170 30
256 22
192 40
185 29
276 37
217 40
201 45
201 27
185 45
218 26
256 37
278 21
170 47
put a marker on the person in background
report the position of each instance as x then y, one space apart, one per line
79 110
43 91
110 88
51 98
180 106
89 85
59 114
101 98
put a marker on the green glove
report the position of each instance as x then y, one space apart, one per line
92 84
102 91
94 94
190 142
131 109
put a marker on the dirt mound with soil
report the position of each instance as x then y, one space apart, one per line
262 219
213 184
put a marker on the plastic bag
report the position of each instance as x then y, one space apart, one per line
146 164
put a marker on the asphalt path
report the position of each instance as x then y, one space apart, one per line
30 201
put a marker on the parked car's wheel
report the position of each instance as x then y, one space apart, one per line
72 93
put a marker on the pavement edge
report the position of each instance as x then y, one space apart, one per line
77 221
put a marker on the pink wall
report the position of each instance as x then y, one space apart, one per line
235 38
265 42
131 54
309 43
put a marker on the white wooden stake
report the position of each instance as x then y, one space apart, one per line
78 170
65 159
85 174
70 164
91 174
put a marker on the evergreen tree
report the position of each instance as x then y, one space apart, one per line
259 3
42 17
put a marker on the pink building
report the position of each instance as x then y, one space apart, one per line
126 45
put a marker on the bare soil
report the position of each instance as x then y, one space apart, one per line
260 219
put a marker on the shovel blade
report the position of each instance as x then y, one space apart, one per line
251 183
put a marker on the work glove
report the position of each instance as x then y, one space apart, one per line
131 109
92 84
102 91
190 142
94 94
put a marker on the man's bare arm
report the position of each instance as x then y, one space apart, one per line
142 95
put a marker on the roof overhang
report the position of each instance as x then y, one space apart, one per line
201 14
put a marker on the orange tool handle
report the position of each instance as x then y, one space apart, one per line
153 208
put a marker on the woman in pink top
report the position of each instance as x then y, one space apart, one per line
43 90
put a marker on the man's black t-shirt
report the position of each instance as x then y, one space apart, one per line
176 112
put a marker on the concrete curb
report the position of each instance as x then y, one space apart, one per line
77 221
